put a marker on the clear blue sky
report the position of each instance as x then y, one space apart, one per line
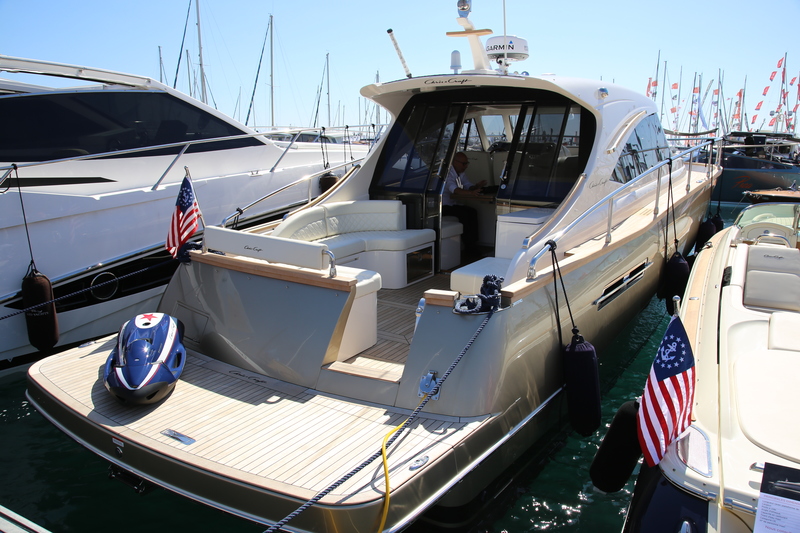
617 41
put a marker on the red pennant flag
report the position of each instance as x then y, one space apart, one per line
674 85
739 94
772 122
793 80
772 76
766 89
696 90
758 105
795 108
736 116
649 84
754 119
716 92
780 62
673 110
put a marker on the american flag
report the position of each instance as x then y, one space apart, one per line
666 407
184 219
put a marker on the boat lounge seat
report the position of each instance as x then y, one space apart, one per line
450 250
368 234
772 278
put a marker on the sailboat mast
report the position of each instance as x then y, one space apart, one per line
663 90
203 97
271 74
328 72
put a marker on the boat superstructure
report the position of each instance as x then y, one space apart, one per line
88 181
741 314
311 338
753 161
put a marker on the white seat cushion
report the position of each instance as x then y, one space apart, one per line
773 278
307 225
468 279
451 227
367 282
784 331
366 215
345 245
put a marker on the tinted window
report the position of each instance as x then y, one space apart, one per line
50 126
645 147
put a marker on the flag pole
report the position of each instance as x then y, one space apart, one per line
200 214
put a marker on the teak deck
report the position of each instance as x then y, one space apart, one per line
262 431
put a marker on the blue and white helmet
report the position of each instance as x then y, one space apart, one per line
147 360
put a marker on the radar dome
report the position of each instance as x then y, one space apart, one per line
510 46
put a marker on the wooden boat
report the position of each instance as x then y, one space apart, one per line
310 339
742 317
773 195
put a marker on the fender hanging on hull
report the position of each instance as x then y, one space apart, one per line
42 321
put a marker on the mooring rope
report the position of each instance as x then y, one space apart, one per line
275 527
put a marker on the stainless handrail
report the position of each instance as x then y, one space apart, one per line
608 199
5 176
185 146
241 210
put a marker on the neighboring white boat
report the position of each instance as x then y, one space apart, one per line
307 342
98 188
741 311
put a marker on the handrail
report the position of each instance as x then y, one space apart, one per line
608 199
5 176
185 146
239 211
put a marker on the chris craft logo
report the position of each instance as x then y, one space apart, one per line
448 81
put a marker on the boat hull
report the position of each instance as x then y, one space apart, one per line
82 235
477 435
734 182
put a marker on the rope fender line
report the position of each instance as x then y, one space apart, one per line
396 432
70 295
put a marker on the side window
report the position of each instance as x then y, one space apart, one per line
627 167
647 133
39 127
418 146
645 147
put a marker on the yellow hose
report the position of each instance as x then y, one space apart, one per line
386 472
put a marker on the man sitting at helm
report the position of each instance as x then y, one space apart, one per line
458 186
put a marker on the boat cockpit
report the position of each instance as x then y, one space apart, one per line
529 147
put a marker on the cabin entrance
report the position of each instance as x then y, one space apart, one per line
529 148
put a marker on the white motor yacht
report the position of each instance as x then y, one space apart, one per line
736 468
89 177
356 323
